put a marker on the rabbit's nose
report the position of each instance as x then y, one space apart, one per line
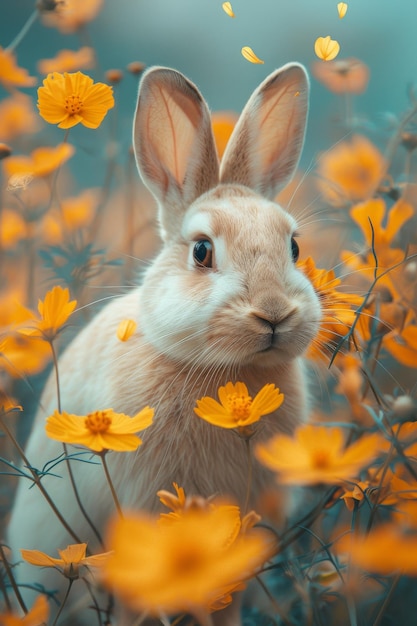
272 320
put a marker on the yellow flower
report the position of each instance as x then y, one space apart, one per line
72 15
10 74
342 8
70 99
384 550
72 558
317 455
41 162
37 616
338 308
351 171
186 566
126 329
237 408
223 123
78 211
17 117
343 75
54 311
68 61
227 8
101 430
326 48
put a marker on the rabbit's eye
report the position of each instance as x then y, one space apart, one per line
203 253
295 250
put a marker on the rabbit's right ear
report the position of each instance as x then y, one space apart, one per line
174 143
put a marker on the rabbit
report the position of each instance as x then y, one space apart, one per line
222 301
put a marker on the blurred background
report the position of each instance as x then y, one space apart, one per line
198 38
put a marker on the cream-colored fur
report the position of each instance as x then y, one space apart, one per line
250 318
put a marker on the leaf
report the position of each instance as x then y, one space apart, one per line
250 56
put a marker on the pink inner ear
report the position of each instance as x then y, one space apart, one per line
171 125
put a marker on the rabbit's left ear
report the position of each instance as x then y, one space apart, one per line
265 146
174 143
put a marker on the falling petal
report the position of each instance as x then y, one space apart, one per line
341 9
250 56
227 8
326 48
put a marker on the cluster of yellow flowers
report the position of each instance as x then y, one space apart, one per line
361 453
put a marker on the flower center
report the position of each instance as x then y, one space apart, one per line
320 459
73 104
239 406
98 422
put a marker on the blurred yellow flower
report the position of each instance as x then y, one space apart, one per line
186 566
227 8
317 455
11 75
237 409
402 345
326 48
223 123
72 15
70 99
68 61
342 76
54 312
41 162
72 558
78 211
37 616
350 172
342 8
126 329
338 308
100 430
250 56
12 229
17 117
383 551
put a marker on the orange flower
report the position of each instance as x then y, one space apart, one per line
71 15
186 566
223 123
343 75
12 229
10 74
72 558
383 551
78 211
19 355
126 329
100 430
17 117
237 408
355 495
70 99
41 162
338 308
54 311
68 61
350 172
403 345
317 455
37 616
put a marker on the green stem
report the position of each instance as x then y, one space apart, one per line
36 479
55 360
71 580
12 580
23 31
250 471
77 497
102 455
